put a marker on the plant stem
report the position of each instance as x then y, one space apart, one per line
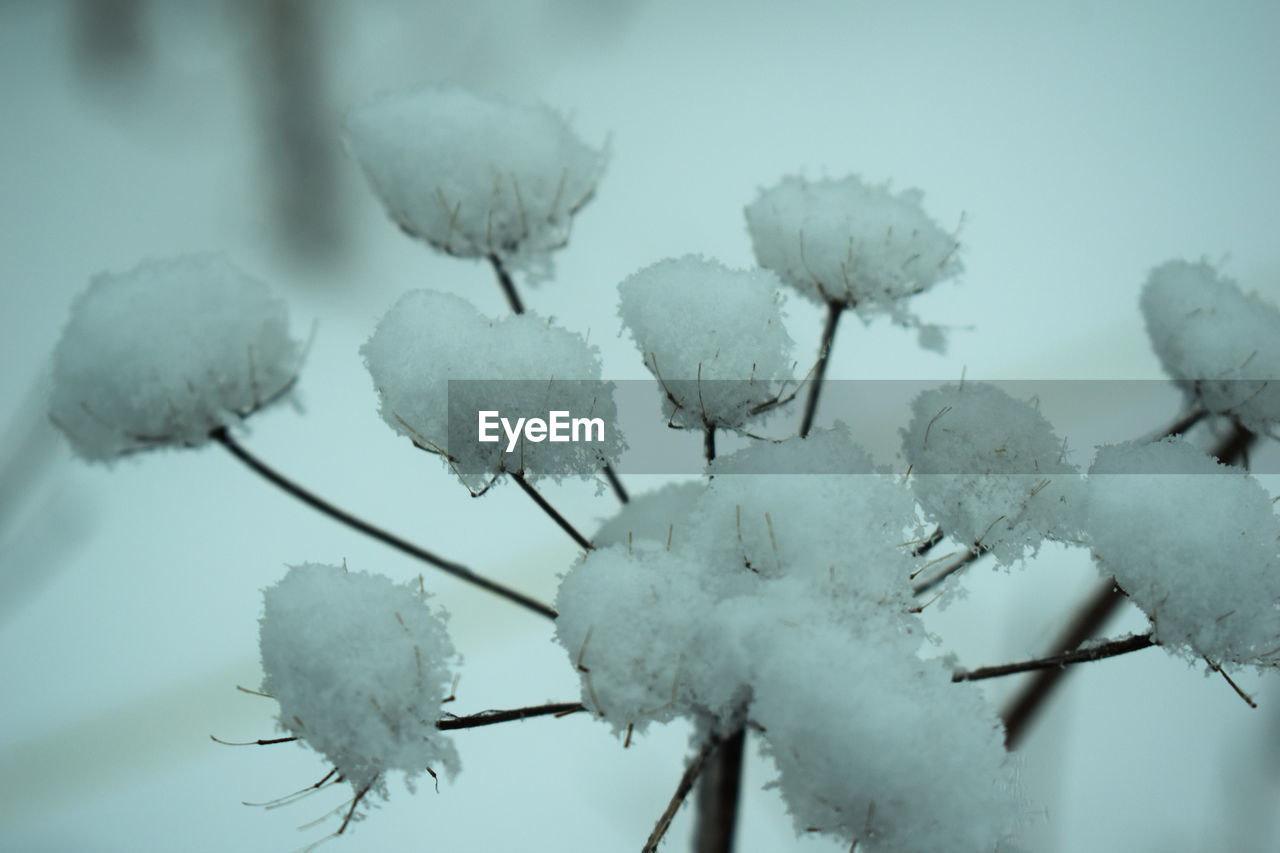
1109 649
458 570
834 310
508 286
489 718
959 563
709 442
616 484
718 793
682 790
559 519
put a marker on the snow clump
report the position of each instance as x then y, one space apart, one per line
530 368
359 665
167 353
854 244
712 336
1222 345
475 175
1195 544
990 472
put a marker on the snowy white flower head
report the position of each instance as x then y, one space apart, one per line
167 353
1222 345
359 665
473 175
712 336
853 244
437 363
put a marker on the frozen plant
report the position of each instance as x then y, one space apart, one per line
167 353
476 175
776 598
359 666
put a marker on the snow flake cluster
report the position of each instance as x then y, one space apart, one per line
475 175
852 243
1195 544
520 365
166 353
785 600
712 336
1222 345
359 665
989 470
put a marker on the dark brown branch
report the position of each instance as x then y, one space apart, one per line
616 484
508 286
458 570
709 442
718 794
834 310
551 511
682 790
1099 651
489 718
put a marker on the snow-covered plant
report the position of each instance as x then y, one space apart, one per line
359 665
167 353
712 336
856 245
780 595
989 470
1219 343
1195 544
520 366
475 175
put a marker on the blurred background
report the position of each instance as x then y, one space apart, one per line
1082 142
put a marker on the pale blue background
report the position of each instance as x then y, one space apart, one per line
1085 142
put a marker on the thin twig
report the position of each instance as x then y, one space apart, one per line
926 545
682 790
508 286
458 570
551 511
1098 651
834 310
960 562
489 718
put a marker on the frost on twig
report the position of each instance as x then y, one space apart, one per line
476 176
167 353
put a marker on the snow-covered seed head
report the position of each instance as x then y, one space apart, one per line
1195 544
1222 345
712 336
856 244
431 388
165 354
359 665
989 470
475 175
